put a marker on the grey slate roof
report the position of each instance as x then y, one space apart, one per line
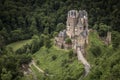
84 33
82 13
62 33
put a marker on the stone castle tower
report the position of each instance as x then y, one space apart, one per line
76 22
77 28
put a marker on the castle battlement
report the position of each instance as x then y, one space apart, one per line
73 14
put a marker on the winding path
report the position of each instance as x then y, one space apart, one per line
39 69
84 61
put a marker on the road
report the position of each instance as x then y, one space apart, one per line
84 61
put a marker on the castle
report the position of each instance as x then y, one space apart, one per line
76 30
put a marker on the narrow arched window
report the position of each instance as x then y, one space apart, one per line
84 27
71 13
68 24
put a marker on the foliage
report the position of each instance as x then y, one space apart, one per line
20 19
62 67
105 65
60 26
116 39
71 54
54 57
10 68
68 41
36 43
47 42
95 50
6 75
102 29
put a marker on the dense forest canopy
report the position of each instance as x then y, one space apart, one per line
23 19
20 19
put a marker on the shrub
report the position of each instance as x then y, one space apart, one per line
38 62
96 50
54 57
68 41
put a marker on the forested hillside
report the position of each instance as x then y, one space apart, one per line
20 19
41 20
104 60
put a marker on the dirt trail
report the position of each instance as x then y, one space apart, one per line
84 61
39 69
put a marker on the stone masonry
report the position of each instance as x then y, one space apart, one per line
76 30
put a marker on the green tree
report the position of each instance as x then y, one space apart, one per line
71 54
96 50
46 31
60 26
47 42
116 39
35 46
33 27
6 75
21 21
96 26
17 35
55 34
2 42
54 57
41 42
4 35
103 29
68 41
1 24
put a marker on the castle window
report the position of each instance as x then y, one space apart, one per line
84 27
80 28
68 24
72 13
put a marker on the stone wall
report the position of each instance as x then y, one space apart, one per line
76 29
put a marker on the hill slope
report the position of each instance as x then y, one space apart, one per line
104 59
62 64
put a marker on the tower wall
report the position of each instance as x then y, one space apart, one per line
108 38
77 27
72 20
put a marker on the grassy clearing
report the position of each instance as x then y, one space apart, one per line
62 67
19 44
